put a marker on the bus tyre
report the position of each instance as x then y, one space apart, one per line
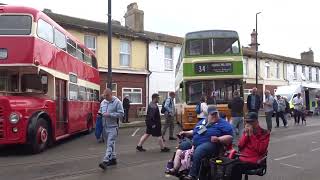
40 137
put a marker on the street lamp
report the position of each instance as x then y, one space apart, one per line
257 49
109 46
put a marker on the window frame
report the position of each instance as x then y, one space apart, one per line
132 89
295 74
65 38
94 50
125 53
267 69
310 73
245 64
166 68
277 69
52 28
317 74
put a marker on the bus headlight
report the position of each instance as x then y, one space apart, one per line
14 118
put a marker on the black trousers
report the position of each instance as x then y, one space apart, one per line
239 168
281 115
126 115
297 116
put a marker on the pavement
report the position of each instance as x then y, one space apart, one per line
294 154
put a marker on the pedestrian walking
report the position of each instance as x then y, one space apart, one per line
268 109
236 106
202 108
298 105
253 101
287 113
169 116
111 110
126 108
153 125
281 107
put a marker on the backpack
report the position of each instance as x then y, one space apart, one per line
275 105
163 109
198 108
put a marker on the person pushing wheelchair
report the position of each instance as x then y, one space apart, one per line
206 136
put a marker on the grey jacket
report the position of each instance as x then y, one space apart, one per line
114 109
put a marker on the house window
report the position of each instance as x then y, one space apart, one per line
304 71
310 73
267 69
163 95
245 66
277 70
135 95
294 71
317 74
125 53
168 58
90 42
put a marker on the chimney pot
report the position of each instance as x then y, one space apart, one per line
134 18
307 56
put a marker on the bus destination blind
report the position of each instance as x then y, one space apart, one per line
213 67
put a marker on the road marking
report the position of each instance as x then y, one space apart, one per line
314 142
285 157
135 132
315 149
297 167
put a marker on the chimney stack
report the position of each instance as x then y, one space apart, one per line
134 18
307 56
253 44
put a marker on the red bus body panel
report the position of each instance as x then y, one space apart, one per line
25 51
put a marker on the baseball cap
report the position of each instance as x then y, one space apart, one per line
251 117
212 109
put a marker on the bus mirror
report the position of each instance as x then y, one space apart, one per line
44 79
181 85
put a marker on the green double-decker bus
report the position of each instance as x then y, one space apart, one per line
211 65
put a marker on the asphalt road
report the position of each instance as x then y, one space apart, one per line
294 154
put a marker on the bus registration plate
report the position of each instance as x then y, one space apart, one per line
213 67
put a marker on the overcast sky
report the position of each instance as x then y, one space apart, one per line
286 27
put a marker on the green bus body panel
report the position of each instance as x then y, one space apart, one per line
189 71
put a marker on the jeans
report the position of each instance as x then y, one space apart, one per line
281 115
203 150
269 120
99 127
168 124
237 124
111 134
297 116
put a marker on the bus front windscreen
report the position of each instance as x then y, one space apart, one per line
15 24
216 91
213 46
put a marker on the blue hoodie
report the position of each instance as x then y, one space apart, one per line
114 109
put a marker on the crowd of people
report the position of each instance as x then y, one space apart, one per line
242 132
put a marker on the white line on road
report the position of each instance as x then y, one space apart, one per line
297 167
285 157
314 142
135 132
315 149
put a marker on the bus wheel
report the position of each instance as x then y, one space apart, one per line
41 136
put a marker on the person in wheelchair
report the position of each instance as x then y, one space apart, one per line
253 147
206 137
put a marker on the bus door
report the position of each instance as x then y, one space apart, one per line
61 107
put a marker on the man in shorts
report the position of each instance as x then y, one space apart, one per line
153 123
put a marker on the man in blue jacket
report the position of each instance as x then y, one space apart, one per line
112 111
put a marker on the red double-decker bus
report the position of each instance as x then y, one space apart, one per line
49 81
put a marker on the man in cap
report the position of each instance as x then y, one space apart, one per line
206 136
253 146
